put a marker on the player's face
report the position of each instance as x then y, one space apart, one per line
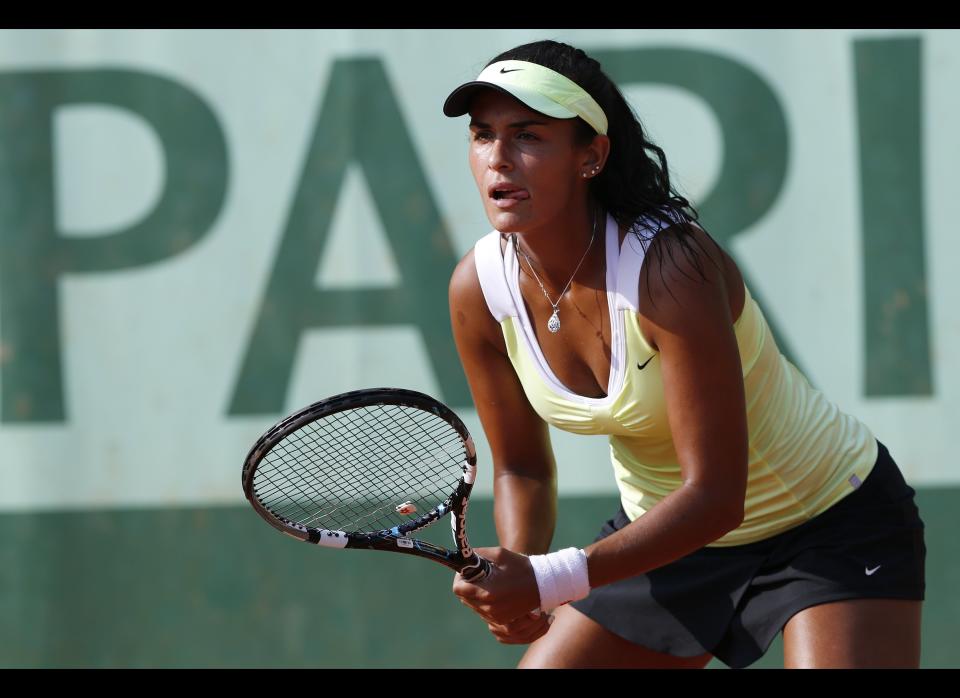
527 166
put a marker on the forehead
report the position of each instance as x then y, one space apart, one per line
491 105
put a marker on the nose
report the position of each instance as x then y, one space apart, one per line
500 158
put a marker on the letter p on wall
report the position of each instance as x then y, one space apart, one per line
34 254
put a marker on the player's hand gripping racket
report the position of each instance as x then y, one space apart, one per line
366 469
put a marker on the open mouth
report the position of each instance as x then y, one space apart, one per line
509 192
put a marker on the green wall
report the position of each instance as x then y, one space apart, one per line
215 587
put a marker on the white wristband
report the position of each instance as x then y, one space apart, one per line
561 577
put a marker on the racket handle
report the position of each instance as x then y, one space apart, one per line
475 570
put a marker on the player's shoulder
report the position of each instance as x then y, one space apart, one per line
681 257
468 305
465 280
682 282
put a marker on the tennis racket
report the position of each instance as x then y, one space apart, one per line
366 469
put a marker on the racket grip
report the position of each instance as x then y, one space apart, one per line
475 570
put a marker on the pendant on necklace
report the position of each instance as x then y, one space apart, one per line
553 324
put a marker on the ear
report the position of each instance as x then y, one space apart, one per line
595 156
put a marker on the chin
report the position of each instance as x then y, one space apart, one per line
507 221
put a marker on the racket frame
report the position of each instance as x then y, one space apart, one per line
462 558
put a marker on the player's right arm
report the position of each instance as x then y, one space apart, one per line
525 475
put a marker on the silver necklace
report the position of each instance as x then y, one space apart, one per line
553 324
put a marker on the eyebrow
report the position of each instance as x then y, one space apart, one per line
515 124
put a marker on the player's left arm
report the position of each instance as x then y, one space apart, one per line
690 324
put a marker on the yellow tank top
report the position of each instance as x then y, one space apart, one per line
805 454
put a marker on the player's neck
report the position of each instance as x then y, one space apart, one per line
557 248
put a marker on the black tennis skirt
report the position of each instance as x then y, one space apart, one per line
732 601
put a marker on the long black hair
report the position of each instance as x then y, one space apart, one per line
633 183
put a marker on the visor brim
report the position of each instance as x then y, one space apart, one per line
458 103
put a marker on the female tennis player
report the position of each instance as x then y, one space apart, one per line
750 503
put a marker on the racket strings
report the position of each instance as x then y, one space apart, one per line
350 470
359 454
406 427
355 469
307 446
382 479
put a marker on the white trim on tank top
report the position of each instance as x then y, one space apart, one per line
488 259
617 343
